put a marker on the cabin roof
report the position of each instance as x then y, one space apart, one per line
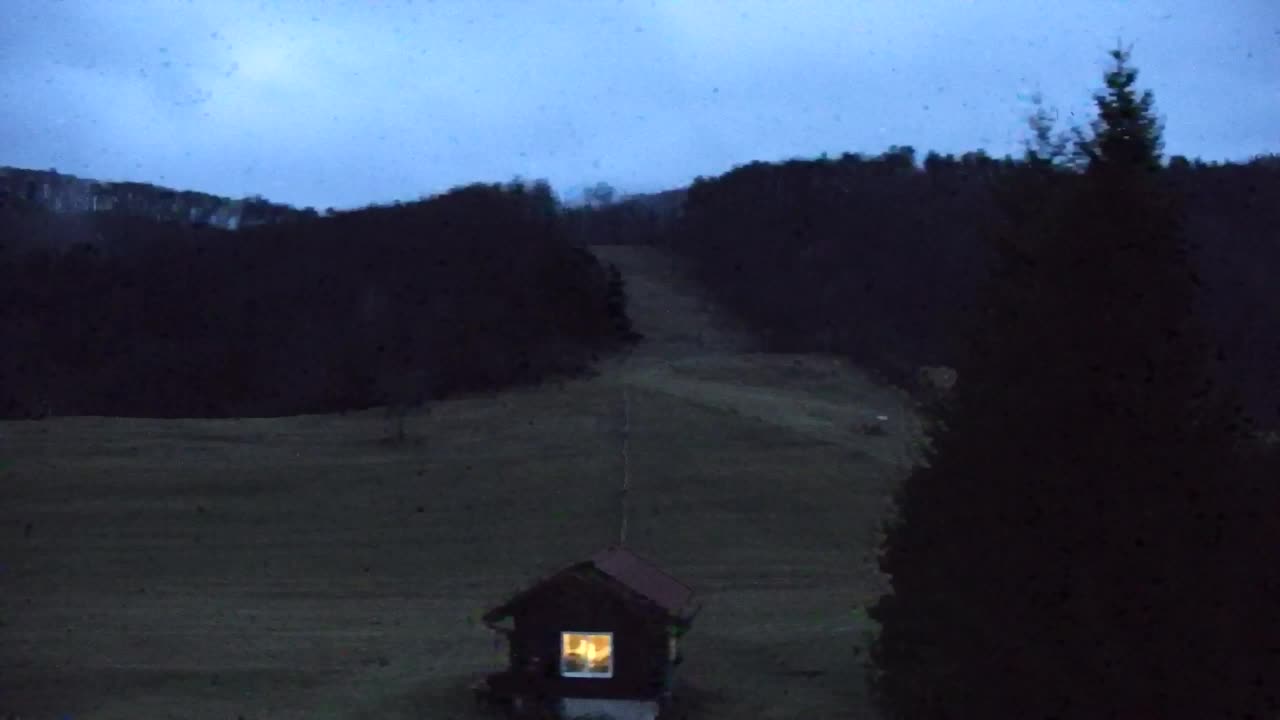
643 577
627 568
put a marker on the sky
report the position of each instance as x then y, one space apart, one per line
328 103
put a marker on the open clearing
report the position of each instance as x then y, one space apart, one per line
302 568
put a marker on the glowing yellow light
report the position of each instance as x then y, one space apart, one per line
586 654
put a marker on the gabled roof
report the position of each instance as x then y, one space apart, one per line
629 570
644 578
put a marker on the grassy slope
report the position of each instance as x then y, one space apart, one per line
301 568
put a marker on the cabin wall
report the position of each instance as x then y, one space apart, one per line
640 663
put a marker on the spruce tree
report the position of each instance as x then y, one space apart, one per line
616 299
1080 541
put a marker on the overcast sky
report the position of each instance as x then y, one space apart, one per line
325 103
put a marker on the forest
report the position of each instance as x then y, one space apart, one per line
117 314
877 258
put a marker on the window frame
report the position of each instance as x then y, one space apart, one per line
588 675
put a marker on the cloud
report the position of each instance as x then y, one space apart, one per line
319 102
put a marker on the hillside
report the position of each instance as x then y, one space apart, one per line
301 568
880 260
477 288
70 194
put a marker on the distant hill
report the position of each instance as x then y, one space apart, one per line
630 220
63 193
473 290
665 203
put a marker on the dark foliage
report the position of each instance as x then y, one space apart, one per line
1231 218
867 258
617 304
117 315
1086 540
879 258
635 220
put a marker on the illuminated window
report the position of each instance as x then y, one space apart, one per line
587 655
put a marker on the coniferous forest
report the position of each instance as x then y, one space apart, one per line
873 257
877 258
1087 537
112 314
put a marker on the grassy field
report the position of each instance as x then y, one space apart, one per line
304 568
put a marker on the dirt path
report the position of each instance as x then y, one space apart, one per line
667 306
696 351
695 354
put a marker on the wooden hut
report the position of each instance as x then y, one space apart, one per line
598 638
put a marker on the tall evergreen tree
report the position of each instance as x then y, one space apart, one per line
1079 542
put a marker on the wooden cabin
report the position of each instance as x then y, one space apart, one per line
598 638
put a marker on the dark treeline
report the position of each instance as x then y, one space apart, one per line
870 259
1085 537
478 288
878 258
1232 218
632 220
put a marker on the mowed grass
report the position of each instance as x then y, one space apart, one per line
305 568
